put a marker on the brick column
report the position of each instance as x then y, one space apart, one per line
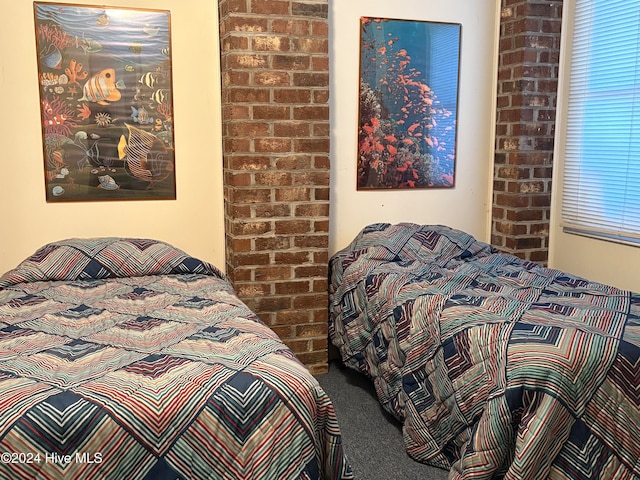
527 85
275 94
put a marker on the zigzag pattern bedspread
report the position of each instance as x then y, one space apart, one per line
128 359
497 367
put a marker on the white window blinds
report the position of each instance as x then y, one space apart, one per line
601 189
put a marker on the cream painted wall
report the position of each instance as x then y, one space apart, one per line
194 222
467 206
597 260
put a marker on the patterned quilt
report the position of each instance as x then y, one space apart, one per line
497 367
128 359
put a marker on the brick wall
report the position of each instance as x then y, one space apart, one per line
275 94
526 105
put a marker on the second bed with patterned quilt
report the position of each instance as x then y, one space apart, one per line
497 367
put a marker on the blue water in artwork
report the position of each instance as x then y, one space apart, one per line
127 29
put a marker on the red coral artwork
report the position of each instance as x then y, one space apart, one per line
408 104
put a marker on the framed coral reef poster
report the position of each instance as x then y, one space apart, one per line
408 104
106 106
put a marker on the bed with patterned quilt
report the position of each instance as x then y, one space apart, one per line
496 367
128 359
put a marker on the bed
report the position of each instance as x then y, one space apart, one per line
496 367
127 358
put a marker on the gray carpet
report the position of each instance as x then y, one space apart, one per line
372 438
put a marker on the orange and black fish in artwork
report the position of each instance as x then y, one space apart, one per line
102 88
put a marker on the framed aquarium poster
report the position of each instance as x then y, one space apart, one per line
408 104
105 83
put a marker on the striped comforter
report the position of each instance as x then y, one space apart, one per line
128 359
497 367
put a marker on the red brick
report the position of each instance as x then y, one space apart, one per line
321 257
288 288
273 244
525 215
291 129
311 271
272 78
312 210
304 9
320 28
271 7
248 95
311 144
247 129
291 26
320 226
250 195
269 210
236 6
311 178
300 194
300 161
246 24
273 178
271 273
271 304
292 257
321 96
312 330
315 79
274 43
232 145
321 162
311 113
239 245
250 228
249 162
311 45
312 241
291 62
245 259
273 145
271 112
292 95
288 227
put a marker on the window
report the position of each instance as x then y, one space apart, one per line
601 189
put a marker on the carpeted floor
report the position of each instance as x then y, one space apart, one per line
372 438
